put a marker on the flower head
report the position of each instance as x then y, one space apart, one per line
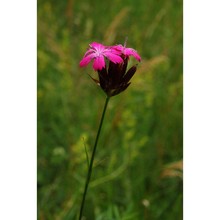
115 78
98 52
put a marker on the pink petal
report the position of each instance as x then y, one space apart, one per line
99 63
127 51
88 52
132 52
113 57
86 59
118 47
98 46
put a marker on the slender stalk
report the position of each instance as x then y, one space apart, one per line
92 158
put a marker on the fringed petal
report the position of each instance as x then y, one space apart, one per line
86 59
97 46
113 57
99 63
132 52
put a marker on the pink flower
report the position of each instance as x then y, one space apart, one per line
127 52
114 77
98 52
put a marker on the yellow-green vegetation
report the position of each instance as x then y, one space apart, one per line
137 172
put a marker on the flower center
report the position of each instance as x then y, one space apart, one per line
98 52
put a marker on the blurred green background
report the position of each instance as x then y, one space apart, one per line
138 164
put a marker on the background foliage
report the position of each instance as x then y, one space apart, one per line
138 165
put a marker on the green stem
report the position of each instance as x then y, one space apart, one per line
92 158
